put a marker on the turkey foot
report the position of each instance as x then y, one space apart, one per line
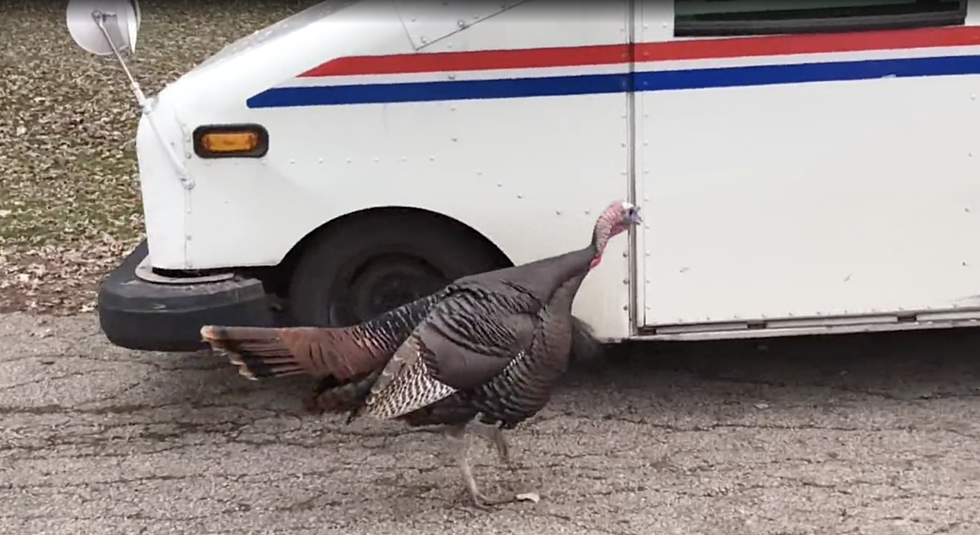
477 498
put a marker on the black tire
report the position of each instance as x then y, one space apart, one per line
340 278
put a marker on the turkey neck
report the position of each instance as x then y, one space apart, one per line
542 278
571 268
563 296
559 307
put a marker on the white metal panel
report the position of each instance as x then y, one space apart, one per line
431 21
531 174
814 199
285 27
164 198
860 200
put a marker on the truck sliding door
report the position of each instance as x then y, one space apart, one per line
806 159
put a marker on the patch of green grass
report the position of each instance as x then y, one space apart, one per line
94 197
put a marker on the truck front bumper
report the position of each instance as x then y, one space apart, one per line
142 315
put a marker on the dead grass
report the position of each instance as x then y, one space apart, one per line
69 192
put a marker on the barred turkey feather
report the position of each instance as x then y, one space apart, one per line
342 353
465 340
405 385
332 396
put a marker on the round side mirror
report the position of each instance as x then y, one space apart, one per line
119 18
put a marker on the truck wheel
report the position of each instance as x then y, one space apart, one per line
356 271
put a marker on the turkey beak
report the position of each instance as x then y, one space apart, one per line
635 218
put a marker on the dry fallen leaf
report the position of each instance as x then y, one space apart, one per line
528 497
69 190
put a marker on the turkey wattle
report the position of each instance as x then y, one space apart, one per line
479 356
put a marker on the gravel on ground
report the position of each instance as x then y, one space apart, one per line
864 435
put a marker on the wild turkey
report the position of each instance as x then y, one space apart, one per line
479 356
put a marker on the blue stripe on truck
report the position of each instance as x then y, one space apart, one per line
594 84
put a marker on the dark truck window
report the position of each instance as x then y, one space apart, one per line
697 18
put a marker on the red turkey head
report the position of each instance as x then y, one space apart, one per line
616 218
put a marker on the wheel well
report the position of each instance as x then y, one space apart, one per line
277 280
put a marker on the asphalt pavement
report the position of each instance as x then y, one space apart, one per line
859 434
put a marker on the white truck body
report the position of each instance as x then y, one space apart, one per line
792 183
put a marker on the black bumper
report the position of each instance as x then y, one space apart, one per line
137 314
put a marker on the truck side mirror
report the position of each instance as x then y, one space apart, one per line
104 27
108 27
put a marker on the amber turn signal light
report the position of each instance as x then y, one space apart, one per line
227 141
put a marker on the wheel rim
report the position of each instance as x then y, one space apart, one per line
381 283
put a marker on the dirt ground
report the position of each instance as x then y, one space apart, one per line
864 435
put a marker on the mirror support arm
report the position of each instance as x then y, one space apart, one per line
145 105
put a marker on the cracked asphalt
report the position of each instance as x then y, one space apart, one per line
860 434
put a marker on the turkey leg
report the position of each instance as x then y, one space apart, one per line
495 436
480 501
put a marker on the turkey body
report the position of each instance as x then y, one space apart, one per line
523 384
493 345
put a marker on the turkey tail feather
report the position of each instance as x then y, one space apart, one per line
259 352
342 352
